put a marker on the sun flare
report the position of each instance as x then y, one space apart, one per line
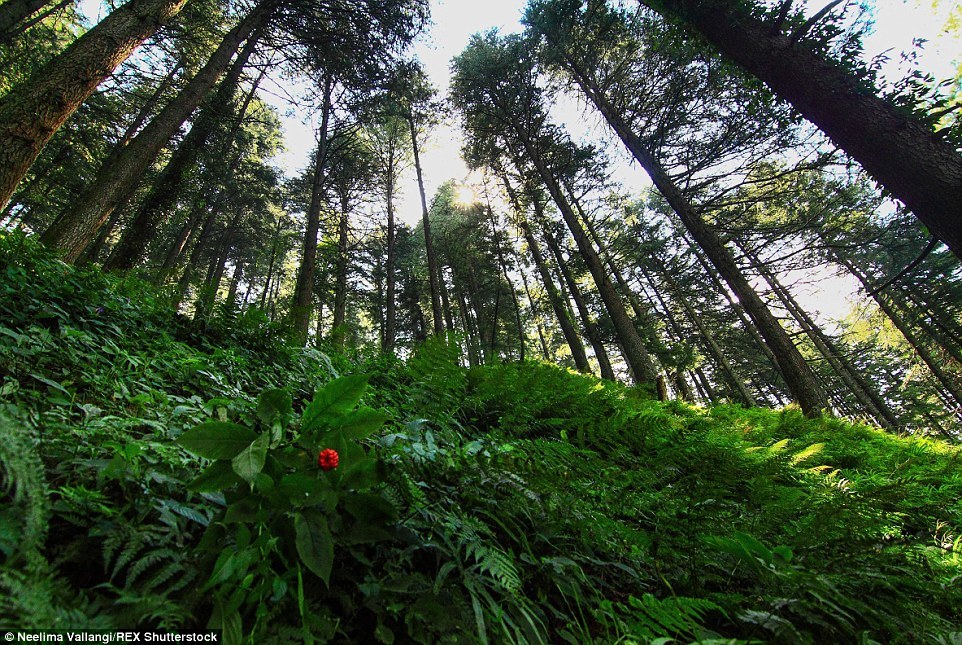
465 196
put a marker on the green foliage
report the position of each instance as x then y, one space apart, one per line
155 476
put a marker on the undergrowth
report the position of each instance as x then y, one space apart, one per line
161 473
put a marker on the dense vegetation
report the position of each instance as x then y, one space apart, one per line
505 503
555 407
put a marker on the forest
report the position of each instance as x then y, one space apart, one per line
553 407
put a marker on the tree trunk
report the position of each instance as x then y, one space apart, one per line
166 189
195 253
799 377
231 299
950 385
14 14
639 362
390 308
710 343
507 279
340 272
918 167
866 394
428 240
561 312
115 184
32 112
535 314
304 287
591 329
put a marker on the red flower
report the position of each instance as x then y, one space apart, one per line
327 459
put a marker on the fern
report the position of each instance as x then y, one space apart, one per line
22 480
678 617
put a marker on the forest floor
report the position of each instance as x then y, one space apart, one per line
157 472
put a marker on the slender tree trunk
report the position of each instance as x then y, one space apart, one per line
713 348
446 302
675 332
304 287
231 299
921 169
535 313
206 196
798 375
166 189
113 185
176 249
428 240
195 254
571 337
590 327
474 357
32 112
706 387
950 384
390 307
866 394
639 362
14 16
340 271
507 279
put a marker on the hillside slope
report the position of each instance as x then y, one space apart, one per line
157 472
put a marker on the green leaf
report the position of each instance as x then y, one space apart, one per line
370 508
362 423
273 404
302 489
217 439
250 460
233 629
218 476
362 474
335 399
314 543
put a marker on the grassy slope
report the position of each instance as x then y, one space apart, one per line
512 503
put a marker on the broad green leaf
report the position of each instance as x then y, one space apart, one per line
335 399
362 423
217 439
370 508
218 476
273 404
303 489
314 543
250 460
363 474
362 533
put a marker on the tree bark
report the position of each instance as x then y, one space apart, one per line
390 307
32 112
590 327
561 313
434 276
163 194
113 185
867 395
304 287
639 362
899 150
340 272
